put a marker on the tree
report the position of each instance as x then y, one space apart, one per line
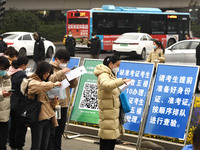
19 20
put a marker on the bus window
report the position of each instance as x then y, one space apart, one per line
158 24
125 23
103 23
172 26
77 21
142 23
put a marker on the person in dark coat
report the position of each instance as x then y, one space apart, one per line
39 50
198 64
3 45
18 129
95 46
70 43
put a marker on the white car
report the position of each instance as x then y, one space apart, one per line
133 44
182 52
24 43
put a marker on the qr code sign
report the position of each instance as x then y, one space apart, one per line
89 97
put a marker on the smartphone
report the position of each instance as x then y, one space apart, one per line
74 67
11 90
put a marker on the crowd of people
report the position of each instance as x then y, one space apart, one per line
47 131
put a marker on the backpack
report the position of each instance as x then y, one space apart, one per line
29 113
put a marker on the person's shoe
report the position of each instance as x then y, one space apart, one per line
197 91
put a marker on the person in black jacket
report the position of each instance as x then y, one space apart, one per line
17 128
70 43
39 50
198 64
95 46
3 45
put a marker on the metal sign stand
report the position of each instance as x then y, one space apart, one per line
68 119
141 132
144 116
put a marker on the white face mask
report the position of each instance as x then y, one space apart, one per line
115 70
63 65
70 35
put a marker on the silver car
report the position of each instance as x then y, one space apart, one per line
182 52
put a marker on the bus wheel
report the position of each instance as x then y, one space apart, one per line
143 54
171 42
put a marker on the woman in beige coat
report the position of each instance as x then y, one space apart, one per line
40 131
157 54
109 102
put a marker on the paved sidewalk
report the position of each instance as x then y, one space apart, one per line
80 143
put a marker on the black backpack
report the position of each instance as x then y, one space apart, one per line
29 113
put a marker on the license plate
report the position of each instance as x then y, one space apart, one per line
123 44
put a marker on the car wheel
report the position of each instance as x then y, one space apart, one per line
49 52
22 52
116 53
143 54
171 42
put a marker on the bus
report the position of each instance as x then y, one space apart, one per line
109 22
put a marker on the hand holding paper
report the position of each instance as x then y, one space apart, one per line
76 73
125 85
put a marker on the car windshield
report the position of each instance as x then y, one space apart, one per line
10 36
129 37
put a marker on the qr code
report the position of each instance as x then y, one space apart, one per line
89 97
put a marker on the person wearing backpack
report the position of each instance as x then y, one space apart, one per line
38 86
4 101
62 58
17 128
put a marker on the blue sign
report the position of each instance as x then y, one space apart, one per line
171 100
140 73
74 61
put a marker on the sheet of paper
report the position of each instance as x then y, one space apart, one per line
76 73
124 86
28 70
64 84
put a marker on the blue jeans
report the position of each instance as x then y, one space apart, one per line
40 135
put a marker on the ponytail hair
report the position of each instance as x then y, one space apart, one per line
20 61
160 45
113 59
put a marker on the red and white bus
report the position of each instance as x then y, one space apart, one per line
109 22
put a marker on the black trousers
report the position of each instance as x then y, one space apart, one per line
40 135
17 132
107 144
3 136
55 140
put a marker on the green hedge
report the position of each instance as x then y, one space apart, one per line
53 32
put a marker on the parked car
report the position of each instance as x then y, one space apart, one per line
133 44
182 52
24 43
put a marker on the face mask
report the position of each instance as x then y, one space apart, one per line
63 65
3 72
70 35
154 46
93 37
115 70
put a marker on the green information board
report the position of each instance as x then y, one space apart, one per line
86 104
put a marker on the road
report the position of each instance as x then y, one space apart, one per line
84 53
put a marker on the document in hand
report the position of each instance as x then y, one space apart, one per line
125 86
64 84
76 73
